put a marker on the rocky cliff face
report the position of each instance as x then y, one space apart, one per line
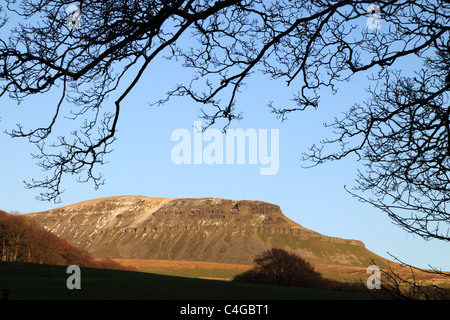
202 229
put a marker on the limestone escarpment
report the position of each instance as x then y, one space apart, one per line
202 229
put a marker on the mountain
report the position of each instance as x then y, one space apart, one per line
198 229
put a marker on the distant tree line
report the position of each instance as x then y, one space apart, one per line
22 240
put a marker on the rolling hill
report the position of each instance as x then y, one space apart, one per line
195 229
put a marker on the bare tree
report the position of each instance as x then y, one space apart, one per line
39 57
404 283
401 134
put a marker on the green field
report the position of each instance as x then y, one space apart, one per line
196 273
46 282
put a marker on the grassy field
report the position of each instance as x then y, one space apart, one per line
46 282
225 271
190 269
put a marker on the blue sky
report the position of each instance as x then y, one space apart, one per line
141 162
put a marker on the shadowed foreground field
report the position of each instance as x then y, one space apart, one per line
226 271
47 282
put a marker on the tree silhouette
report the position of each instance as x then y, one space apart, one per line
403 136
280 267
401 133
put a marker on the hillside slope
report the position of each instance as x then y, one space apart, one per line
22 241
199 229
